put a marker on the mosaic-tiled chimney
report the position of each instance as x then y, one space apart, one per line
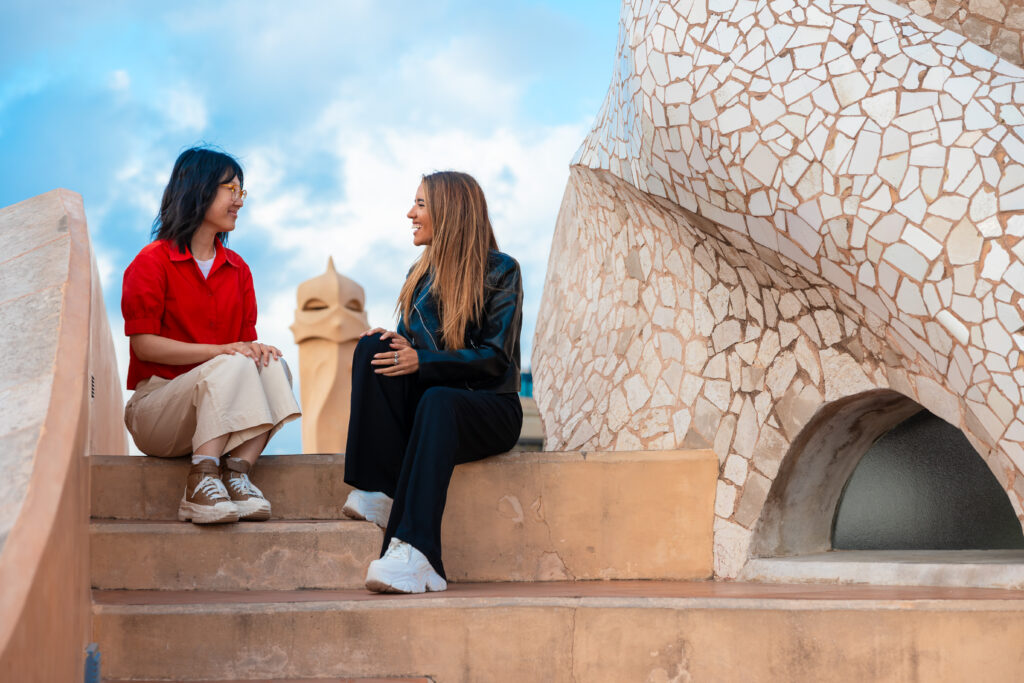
788 208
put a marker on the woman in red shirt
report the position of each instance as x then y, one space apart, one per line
203 385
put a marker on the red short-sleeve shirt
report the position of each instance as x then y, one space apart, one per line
165 293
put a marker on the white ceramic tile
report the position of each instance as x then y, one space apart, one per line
916 101
924 54
932 155
950 131
996 262
921 241
779 35
850 88
977 56
947 37
967 308
909 299
808 35
733 119
996 338
768 109
907 259
893 168
953 326
881 108
920 120
976 117
840 63
948 206
931 182
913 207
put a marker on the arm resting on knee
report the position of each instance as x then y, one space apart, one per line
153 348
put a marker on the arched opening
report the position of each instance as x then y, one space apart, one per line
903 495
801 505
922 486
908 456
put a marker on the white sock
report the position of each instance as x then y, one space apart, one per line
196 459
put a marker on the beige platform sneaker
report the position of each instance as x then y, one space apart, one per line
252 505
205 500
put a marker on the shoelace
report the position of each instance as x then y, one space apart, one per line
243 486
398 550
212 487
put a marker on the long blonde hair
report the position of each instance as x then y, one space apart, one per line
457 255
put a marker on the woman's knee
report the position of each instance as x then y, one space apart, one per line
230 368
277 367
369 345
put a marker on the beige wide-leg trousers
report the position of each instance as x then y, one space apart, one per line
228 394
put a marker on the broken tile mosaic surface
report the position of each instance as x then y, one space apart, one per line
781 204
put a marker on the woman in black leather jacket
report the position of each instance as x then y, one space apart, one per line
441 390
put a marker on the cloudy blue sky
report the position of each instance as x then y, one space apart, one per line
335 109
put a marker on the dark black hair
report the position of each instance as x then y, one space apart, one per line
193 185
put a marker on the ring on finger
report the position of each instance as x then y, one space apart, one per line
396 357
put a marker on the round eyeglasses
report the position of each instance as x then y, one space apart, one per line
236 191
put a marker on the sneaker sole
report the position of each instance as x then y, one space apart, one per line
352 513
257 512
206 514
379 584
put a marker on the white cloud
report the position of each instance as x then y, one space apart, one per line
119 80
341 112
23 82
106 269
184 109
453 78
363 224
276 314
131 170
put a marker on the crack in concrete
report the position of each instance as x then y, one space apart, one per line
550 564
510 508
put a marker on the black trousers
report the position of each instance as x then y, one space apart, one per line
404 439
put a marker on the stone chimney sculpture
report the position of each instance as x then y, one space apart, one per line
329 318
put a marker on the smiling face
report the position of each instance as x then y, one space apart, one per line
223 211
422 225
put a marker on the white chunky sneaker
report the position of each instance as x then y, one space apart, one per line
369 505
403 569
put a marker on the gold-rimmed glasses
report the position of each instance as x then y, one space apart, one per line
236 191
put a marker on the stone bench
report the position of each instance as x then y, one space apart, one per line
523 516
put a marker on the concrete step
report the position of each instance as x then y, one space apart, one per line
523 516
569 631
272 555
298 486
403 679
988 568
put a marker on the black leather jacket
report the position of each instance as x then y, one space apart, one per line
490 359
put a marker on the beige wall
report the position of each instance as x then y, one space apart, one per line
45 603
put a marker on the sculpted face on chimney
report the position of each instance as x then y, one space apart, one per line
329 317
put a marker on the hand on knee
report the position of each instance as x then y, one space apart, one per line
367 346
